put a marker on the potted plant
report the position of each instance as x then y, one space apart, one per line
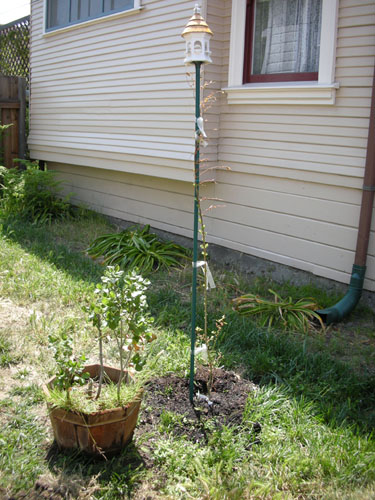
94 408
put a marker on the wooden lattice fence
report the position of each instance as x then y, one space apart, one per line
14 48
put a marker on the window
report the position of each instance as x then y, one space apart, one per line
283 52
282 40
62 13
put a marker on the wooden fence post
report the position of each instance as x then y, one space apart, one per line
13 111
22 118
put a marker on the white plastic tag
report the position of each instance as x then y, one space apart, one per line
200 127
201 350
210 279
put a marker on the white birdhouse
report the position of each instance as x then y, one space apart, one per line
197 36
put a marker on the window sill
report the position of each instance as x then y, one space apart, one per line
304 93
109 17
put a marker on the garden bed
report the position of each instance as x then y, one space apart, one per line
168 396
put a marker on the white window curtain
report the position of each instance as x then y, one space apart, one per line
286 36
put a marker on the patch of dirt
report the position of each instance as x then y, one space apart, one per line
224 406
12 315
12 318
14 321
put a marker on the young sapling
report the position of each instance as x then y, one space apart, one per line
120 309
210 340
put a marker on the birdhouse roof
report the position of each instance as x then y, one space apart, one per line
196 24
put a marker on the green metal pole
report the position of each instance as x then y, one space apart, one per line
195 233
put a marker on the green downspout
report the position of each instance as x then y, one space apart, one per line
337 312
350 300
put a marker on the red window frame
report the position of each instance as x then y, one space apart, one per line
277 77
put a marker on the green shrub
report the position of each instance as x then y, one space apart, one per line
137 248
31 194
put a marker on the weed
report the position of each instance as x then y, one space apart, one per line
31 393
170 420
168 391
6 357
22 374
69 366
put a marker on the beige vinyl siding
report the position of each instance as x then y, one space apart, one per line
117 87
212 78
293 195
120 100
163 203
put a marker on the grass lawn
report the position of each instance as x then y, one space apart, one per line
315 395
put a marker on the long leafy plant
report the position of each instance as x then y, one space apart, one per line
283 313
137 248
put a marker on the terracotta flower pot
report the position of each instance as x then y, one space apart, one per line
104 432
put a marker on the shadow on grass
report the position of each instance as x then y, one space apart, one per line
39 241
116 476
339 394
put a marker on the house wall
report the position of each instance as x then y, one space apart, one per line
112 110
294 190
163 203
114 94
119 100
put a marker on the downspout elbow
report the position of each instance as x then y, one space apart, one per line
351 298
349 301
